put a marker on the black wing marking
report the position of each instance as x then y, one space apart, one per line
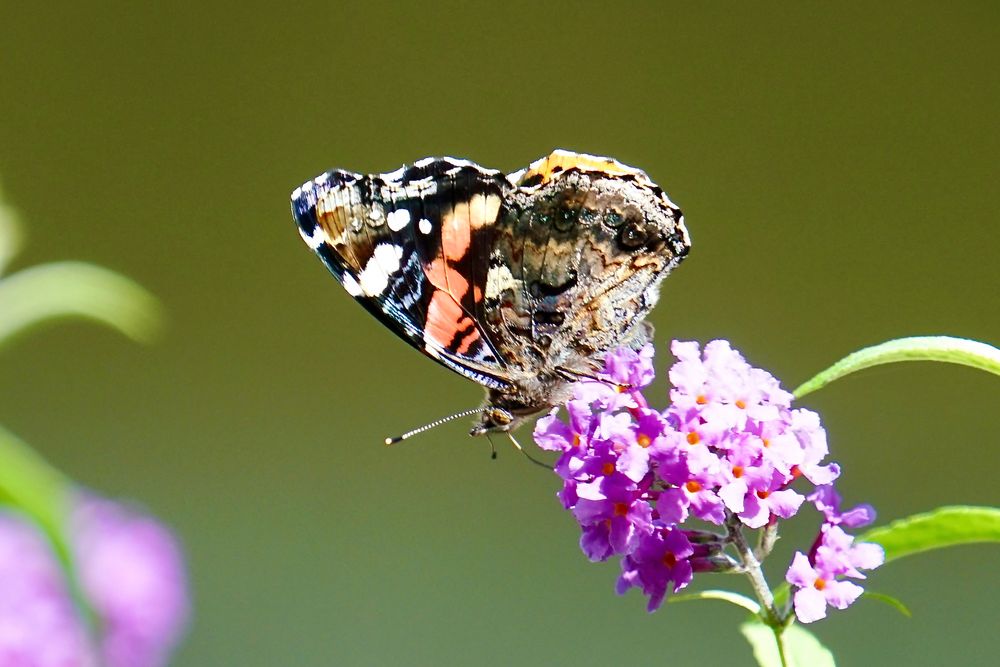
383 238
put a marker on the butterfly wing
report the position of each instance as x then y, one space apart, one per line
580 251
410 246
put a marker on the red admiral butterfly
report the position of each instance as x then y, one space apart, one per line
521 282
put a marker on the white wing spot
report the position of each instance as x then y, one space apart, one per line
351 285
316 240
398 219
424 226
383 262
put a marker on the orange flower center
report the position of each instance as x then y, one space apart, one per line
621 509
737 471
763 494
576 439
669 559
692 486
701 400
796 473
767 442
693 438
608 468
740 404
643 440
819 584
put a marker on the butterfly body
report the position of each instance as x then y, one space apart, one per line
521 282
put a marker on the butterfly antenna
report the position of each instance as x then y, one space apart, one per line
427 427
521 449
493 447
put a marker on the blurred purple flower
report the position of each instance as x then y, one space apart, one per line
39 623
132 572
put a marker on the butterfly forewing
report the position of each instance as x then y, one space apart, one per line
401 244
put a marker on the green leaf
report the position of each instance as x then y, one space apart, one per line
802 649
725 596
891 601
782 593
75 289
943 527
31 485
918 348
10 235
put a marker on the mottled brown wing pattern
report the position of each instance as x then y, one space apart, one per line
578 261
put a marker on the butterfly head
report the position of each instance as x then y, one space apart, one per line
495 419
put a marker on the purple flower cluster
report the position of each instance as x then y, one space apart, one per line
727 451
130 571
818 576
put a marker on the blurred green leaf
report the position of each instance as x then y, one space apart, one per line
75 289
891 601
918 348
10 233
725 596
802 649
782 593
943 527
30 484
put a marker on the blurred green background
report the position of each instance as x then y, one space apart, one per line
837 168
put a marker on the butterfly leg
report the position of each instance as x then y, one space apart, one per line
521 449
572 376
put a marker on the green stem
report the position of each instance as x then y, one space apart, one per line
779 639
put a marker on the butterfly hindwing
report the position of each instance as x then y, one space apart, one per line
580 253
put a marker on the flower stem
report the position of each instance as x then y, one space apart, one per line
753 571
765 543
768 613
779 639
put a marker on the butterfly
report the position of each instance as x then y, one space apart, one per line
521 282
